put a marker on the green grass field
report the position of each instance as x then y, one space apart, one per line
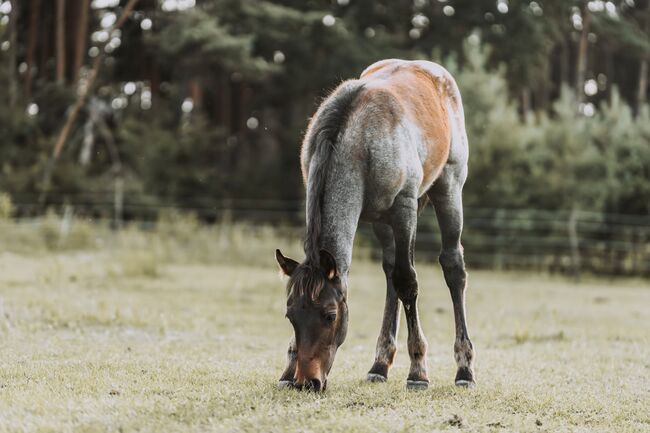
149 335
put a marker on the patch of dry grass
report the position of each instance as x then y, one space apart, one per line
131 336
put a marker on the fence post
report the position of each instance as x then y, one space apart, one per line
498 256
574 242
118 201
66 223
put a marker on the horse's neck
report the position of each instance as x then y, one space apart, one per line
341 209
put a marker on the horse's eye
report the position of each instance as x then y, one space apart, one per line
330 317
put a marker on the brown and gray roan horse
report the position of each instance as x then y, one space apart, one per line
375 150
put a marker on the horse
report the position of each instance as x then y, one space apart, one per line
377 149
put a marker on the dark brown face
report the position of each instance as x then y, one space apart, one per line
318 312
320 328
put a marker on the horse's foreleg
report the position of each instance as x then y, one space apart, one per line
292 356
446 197
386 343
404 222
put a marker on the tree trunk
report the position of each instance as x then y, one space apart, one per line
81 37
196 93
32 34
643 71
60 41
581 62
47 32
564 63
542 98
235 106
11 65
224 106
244 109
76 108
609 70
643 84
155 80
525 102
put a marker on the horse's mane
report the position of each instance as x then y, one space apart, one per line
320 143
306 281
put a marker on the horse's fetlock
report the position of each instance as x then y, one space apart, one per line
389 342
464 352
387 347
418 348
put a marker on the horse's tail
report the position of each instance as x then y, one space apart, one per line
322 140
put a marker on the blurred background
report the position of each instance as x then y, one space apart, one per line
174 117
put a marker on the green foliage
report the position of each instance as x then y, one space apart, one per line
622 142
624 35
203 40
555 161
6 207
492 125
271 60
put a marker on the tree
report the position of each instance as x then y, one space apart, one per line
60 41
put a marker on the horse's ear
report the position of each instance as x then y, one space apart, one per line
286 264
328 264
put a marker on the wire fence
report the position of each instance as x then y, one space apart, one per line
545 240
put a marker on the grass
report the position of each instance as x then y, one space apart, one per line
142 331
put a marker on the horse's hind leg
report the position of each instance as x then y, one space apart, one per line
404 222
386 342
446 196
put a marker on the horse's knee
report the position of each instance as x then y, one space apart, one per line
406 283
453 267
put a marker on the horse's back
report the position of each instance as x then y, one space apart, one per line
400 133
422 112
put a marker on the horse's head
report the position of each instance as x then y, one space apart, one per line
318 311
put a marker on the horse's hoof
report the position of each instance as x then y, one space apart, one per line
285 384
417 385
465 383
376 378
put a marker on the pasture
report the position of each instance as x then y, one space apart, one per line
185 331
